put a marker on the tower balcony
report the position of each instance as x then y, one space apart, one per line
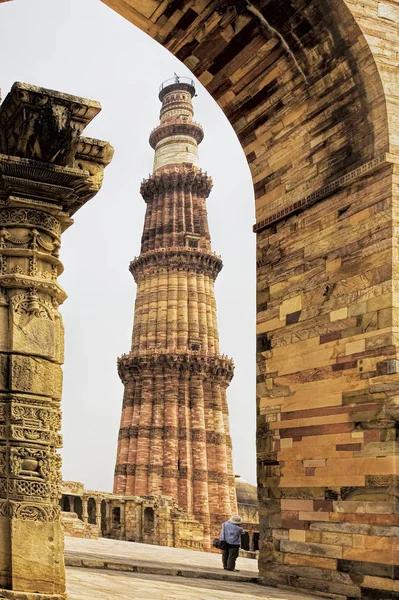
178 257
176 84
177 177
179 361
176 127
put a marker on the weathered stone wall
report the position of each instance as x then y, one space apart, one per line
74 527
310 89
146 519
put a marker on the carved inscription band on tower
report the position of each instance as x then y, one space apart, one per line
174 438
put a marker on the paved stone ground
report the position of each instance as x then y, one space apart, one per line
94 553
197 581
92 584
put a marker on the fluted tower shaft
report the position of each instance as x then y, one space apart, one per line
174 436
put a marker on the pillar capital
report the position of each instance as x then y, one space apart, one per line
45 163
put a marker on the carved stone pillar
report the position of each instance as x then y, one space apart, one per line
251 542
123 520
108 516
72 503
47 171
139 521
85 510
98 513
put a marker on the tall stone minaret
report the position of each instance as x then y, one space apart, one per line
174 437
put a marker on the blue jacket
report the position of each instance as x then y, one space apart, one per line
231 533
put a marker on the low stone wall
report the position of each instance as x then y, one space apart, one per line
188 534
74 527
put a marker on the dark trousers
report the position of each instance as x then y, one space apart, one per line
229 556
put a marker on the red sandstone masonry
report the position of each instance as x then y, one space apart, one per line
174 436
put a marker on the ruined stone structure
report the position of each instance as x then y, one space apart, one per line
311 89
47 172
147 519
174 437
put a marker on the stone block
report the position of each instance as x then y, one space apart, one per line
333 265
93 563
314 516
323 550
4 333
337 539
368 568
379 302
71 561
35 376
333 589
384 531
380 583
310 561
355 528
297 535
116 566
37 556
291 305
33 335
297 505
4 382
358 541
351 506
339 314
315 462
314 537
286 443
372 556
355 347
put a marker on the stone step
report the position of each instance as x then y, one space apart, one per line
74 560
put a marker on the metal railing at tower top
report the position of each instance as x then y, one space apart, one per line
176 80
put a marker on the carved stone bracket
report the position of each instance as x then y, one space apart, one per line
194 364
188 178
177 258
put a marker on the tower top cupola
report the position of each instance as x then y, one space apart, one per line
177 136
177 83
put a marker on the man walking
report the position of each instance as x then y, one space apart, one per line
231 536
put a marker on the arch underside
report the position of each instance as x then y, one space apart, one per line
310 98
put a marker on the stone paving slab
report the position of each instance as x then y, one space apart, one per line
130 571
146 558
92 584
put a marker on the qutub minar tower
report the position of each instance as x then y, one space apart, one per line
174 437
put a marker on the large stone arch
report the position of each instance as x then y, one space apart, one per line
308 87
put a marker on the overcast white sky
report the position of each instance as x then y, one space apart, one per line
84 48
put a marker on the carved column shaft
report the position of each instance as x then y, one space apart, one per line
199 453
171 443
157 437
185 493
143 440
47 171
